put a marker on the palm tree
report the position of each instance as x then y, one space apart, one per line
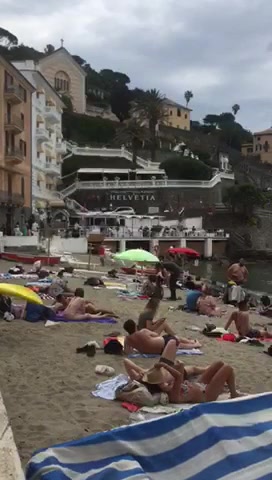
132 133
188 95
150 108
235 109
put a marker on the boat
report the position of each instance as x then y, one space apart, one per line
30 259
138 271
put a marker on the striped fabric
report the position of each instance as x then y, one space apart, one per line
229 440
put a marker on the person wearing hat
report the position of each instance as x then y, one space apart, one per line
170 376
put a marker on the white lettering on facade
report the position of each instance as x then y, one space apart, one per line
132 197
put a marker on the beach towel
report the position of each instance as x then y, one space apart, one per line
193 351
107 389
227 440
60 318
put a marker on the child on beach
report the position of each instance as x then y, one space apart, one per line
241 319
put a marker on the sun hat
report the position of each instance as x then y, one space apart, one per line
153 376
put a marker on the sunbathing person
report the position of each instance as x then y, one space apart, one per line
169 376
78 308
241 319
146 319
146 341
206 304
61 303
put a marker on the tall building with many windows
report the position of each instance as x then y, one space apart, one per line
48 146
15 146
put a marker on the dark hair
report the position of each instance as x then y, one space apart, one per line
198 279
130 326
243 303
189 278
59 297
79 292
265 300
60 273
152 278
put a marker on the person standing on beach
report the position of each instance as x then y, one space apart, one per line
238 272
173 271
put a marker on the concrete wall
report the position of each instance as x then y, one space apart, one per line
21 241
71 245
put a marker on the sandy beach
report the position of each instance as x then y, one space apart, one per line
46 386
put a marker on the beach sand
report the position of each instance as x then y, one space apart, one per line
46 386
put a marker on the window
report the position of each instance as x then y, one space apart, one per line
178 112
23 147
171 113
8 80
9 178
38 183
186 116
249 150
62 82
23 118
22 186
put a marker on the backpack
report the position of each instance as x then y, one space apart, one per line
112 346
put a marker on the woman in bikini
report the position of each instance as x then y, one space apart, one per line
170 376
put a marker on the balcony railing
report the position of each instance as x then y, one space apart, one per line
52 168
14 93
14 154
14 122
11 198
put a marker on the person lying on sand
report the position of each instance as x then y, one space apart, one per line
146 319
170 376
146 341
241 319
61 303
79 309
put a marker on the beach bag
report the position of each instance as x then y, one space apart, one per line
135 393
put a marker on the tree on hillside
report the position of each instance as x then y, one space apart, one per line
226 117
131 134
49 49
244 199
178 167
120 101
150 108
7 39
211 120
112 79
188 95
68 103
235 109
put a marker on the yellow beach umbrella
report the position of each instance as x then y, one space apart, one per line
20 291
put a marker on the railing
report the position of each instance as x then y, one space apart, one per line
61 146
14 152
14 90
112 152
13 198
125 184
14 120
42 131
51 167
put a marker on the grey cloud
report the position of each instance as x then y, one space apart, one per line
219 48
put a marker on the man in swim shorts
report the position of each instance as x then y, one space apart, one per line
146 341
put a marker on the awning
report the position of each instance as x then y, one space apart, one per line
40 177
49 180
56 203
40 204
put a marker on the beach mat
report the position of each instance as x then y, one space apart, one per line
194 351
218 440
60 318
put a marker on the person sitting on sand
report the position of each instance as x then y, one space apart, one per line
77 308
266 307
61 303
146 319
169 376
206 304
146 341
241 319
148 287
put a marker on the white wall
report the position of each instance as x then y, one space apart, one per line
21 241
196 222
71 245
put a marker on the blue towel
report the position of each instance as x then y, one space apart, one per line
194 351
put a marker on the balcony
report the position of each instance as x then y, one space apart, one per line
12 198
14 155
14 94
51 114
42 134
14 124
61 147
52 168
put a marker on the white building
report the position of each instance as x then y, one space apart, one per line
47 144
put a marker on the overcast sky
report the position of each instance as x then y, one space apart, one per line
219 49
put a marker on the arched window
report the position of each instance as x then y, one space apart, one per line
62 82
